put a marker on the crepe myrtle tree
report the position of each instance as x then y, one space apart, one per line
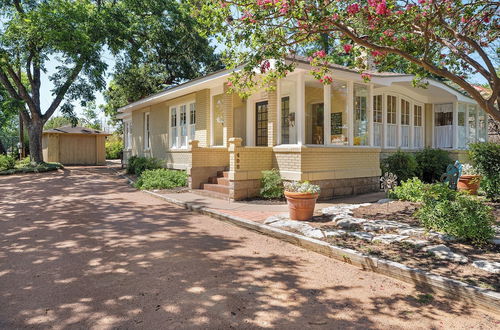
451 39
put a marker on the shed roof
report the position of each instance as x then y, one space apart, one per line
75 130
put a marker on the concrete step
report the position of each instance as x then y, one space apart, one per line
218 188
212 194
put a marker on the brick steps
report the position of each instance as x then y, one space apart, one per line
217 186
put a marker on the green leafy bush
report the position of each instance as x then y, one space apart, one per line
136 165
271 184
32 168
114 147
431 164
26 161
162 179
7 162
410 190
403 164
464 217
486 159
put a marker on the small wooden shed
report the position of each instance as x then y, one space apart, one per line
74 146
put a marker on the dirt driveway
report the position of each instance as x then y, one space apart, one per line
81 249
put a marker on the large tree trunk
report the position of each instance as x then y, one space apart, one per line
35 128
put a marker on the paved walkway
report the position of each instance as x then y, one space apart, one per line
81 249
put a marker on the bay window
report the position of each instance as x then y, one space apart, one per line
482 129
377 121
472 122
418 134
360 115
339 125
405 124
461 130
392 130
443 125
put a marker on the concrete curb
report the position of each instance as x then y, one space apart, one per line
474 295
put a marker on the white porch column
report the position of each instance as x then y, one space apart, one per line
301 111
384 121
369 114
350 112
327 101
467 128
454 142
398 122
411 145
278 111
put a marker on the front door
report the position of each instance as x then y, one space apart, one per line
261 124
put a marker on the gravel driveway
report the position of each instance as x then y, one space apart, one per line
81 249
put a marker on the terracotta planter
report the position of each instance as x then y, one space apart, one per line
300 205
469 183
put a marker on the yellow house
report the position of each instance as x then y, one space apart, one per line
333 135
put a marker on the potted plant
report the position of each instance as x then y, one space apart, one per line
301 198
469 180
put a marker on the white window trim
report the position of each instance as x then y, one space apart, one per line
177 108
147 131
127 132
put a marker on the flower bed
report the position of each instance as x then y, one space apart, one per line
389 231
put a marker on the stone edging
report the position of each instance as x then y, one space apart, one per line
479 297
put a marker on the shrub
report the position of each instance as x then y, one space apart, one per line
464 217
486 159
271 184
403 164
114 147
136 165
410 190
7 162
432 163
26 161
162 179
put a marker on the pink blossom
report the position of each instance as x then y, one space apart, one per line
366 76
376 53
229 84
353 9
347 48
320 54
327 80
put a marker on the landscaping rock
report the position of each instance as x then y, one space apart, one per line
389 238
495 240
384 200
443 252
361 235
334 233
344 209
416 242
488 266
412 231
350 223
282 221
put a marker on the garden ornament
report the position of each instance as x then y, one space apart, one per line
453 173
388 181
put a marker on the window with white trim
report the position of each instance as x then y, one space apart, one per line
377 121
182 124
461 127
405 124
147 134
392 130
128 135
418 132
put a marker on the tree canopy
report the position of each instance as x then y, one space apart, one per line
452 39
75 34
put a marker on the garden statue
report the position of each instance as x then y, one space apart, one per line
453 173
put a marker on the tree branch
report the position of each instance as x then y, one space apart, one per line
62 91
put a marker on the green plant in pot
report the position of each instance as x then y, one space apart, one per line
301 198
469 180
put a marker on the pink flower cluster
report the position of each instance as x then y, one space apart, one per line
366 76
264 66
347 48
376 53
326 80
353 9
320 54
380 6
